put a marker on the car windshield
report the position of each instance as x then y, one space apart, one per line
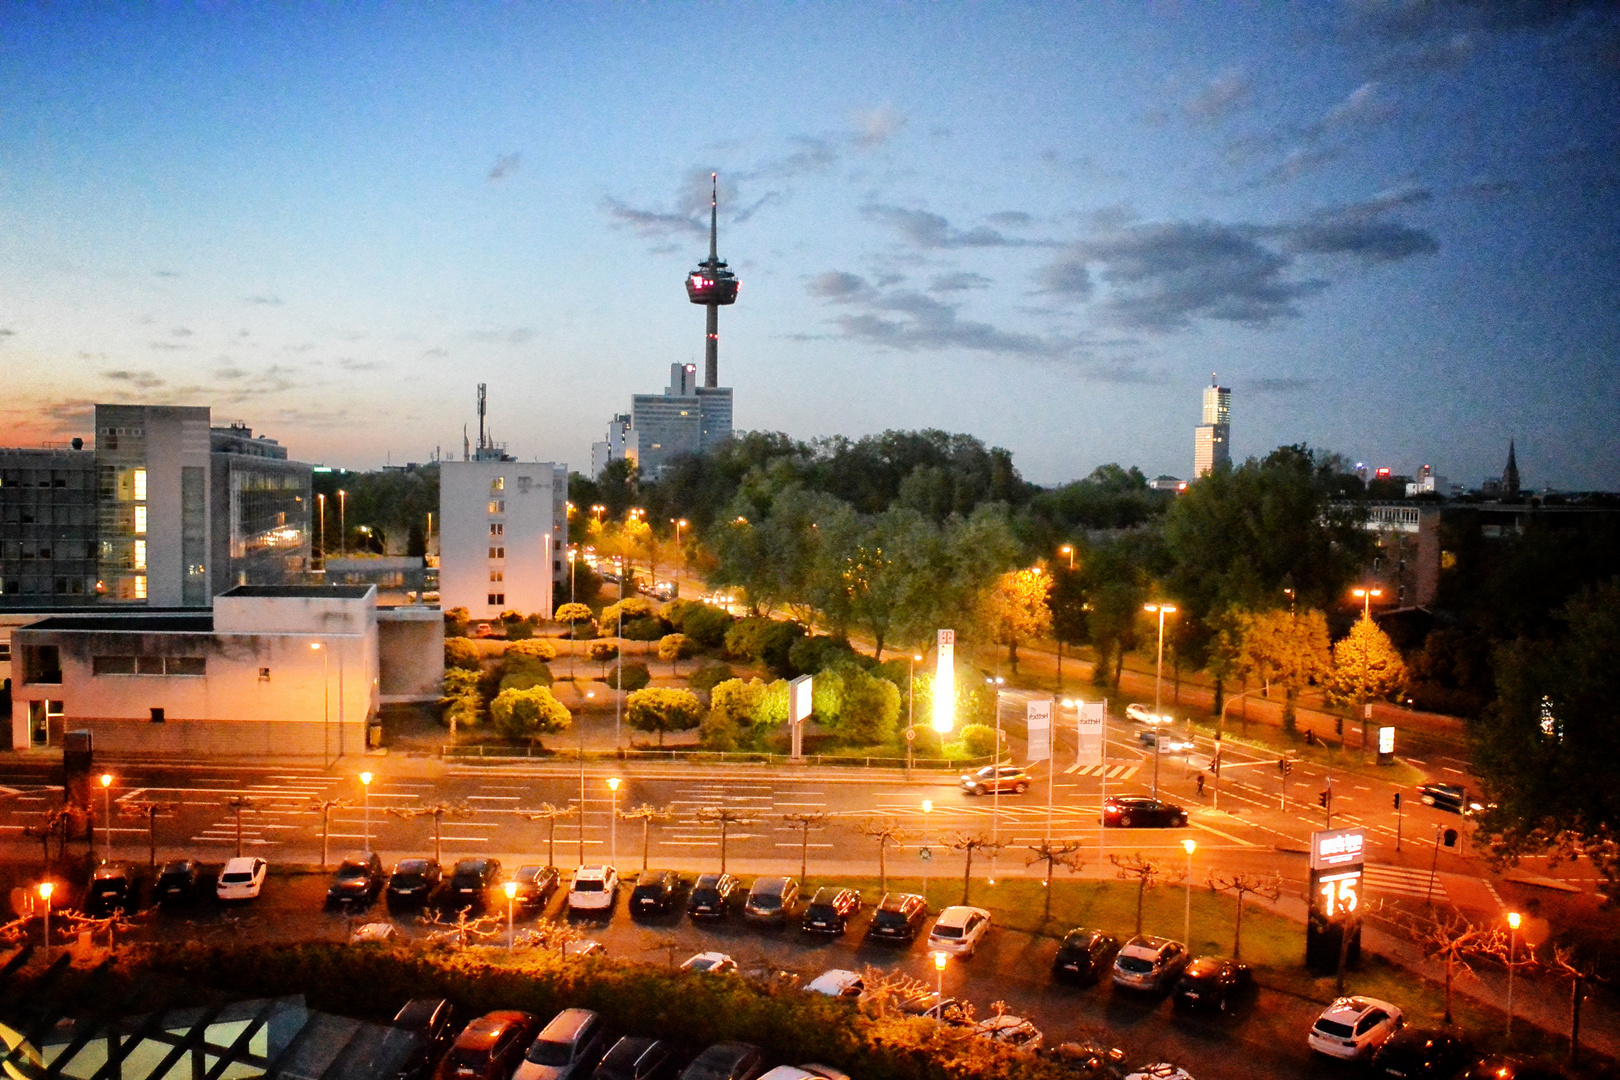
767 902
237 878
176 868
705 896
889 918
947 931
106 885
352 870
1334 1028
406 879
588 885
469 1061
411 866
1135 965
545 1052
528 875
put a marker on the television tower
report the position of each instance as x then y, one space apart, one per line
711 285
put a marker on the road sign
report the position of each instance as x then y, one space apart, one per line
925 853
911 734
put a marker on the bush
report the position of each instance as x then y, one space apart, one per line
649 629
603 652
706 678
718 732
630 609
524 714
674 647
663 710
634 674
524 673
768 641
978 740
455 622
522 630
538 648
462 702
705 625
811 655
460 652
573 614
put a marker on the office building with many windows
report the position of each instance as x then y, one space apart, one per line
1212 441
503 534
685 419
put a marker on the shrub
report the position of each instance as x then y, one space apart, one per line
705 625
459 652
709 676
524 714
634 674
674 647
523 673
630 609
455 622
573 615
538 648
522 630
603 652
810 655
649 629
765 640
663 710
978 740
462 701
718 732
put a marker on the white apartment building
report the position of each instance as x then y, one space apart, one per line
503 535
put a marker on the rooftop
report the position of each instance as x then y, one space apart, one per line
302 592
142 623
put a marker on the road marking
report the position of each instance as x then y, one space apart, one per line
801 845
489 798
1383 878
1224 835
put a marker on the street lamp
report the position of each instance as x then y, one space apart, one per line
511 902
1068 549
1186 923
320 507
1513 920
365 784
326 694
106 809
343 524
613 821
599 510
45 890
995 778
928 808
1158 678
680 524
940 960
1366 600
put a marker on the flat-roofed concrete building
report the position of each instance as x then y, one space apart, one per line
48 550
503 531
685 419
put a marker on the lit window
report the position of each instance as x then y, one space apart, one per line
498 484
496 575
140 587
140 485
497 506
140 554
140 521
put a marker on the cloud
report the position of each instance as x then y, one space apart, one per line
1274 387
1226 93
812 155
1298 162
436 353
165 273
231 373
1067 276
1374 241
5 332
1443 53
653 224
911 321
1013 218
922 229
166 345
141 380
1368 104
504 166
874 127
840 286
520 335
960 281
1399 20
349 363
181 331
269 300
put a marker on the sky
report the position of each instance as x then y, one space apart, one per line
1389 226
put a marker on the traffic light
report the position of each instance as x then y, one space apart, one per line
1397 800
1323 796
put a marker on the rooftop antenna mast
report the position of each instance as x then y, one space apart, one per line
483 405
712 285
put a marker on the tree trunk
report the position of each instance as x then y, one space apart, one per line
1046 912
1220 696
1141 891
967 875
1575 997
1012 655
883 865
1289 720
1119 668
1237 937
1449 962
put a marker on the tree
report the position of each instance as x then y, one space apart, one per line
603 652
462 702
647 814
862 708
1455 941
1054 853
733 710
324 807
1581 972
660 709
674 648
805 821
885 831
724 817
968 843
459 652
525 714
1015 609
1144 871
532 648
1241 883
1366 667
574 615
544 812
1286 648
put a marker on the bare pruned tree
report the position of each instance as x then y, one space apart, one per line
136 810
968 843
113 924
885 831
56 824
1455 942
887 990
805 822
462 930
550 814
548 934
439 811
725 817
1581 971
647 814
672 948
324 807
1144 871
1055 853
1242 883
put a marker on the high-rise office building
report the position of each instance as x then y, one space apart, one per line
503 531
616 447
1212 441
48 525
685 419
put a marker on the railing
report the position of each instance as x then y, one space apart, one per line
484 752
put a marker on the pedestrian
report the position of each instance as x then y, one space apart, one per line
1200 785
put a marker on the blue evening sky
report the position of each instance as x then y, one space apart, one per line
1390 226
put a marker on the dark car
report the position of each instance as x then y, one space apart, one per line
1140 813
656 892
1084 956
1210 982
178 882
471 885
1453 797
114 888
416 1041
535 886
490 1047
636 1058
726 1061
1505 1067
899 917
357 882
830 910
771 900
713 896
413 882
1418 1053
569 1046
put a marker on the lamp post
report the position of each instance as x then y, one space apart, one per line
680 553
1068 549
573 557
1513 920
320 510
940 960
1158 678
928 808
343 524
911 711
326 693
995 778
1366 599
365 785
511 903
588 695
599 510
106 810
613 822
1186 922
45 890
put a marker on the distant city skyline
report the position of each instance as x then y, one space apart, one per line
1391 228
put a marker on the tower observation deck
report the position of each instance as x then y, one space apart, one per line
711 285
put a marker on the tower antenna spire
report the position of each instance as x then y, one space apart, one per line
711 285
714 217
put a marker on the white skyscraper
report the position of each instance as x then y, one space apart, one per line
1212 441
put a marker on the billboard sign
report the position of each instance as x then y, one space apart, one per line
1038 716
1093 721
1332 849
945 682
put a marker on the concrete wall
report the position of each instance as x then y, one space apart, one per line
410 646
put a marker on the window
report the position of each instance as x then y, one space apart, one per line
5 652
497 506
497 553
186 665
140 521
140 485
525 482
140 554
497 484
496 599
157 716
149 665
140 587
112 665
497 528
42 664
496 575
264 674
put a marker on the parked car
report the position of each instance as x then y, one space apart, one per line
636 1058
726 1061
830 910
1453 797
594 889
930 1006
655 893
178 882
1162 1070
1009 1030
772 899
373 932
570 1045
1149 964
413 883
1420 1054
1088 1060
958 930
535 886
991 778
1083 956
115 887
714 963
418 1039
584 947
358 880
1132 812
1211 982
713 896
1354 1027
472 885
838 983
490 1047
242 878
899 917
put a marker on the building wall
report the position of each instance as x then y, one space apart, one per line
503 530
261 507
410 648
47 527
168 447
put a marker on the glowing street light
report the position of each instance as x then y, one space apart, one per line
1513 920
511 903
599 510
940 960
613 821
1366 599
1068 549
1186 925
1158 679
106 809
45 890
365 784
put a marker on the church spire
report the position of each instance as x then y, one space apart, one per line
1510 476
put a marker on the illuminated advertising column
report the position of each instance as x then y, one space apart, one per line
800 697
1335 898
1386 746
945 682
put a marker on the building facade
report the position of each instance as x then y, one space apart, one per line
1212 441
616 447
503 531
685 419
48 549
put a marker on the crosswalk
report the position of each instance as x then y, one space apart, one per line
1402 881
1115 772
